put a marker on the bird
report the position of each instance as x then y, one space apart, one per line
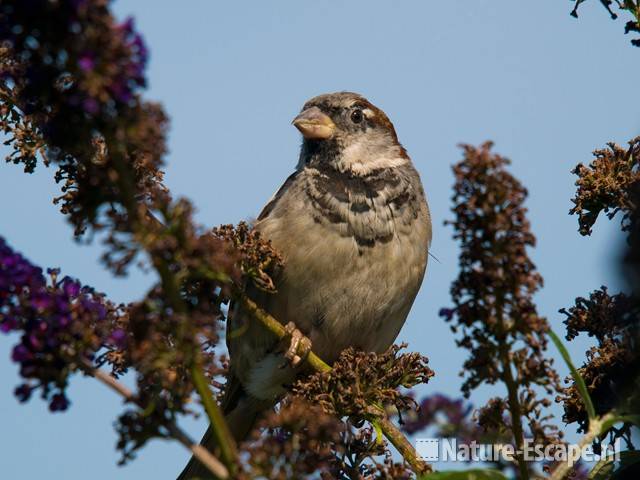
353 226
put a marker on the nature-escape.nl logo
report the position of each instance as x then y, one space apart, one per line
450 450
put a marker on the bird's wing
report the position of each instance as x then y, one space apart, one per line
236 327
271 204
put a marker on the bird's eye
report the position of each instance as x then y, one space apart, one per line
357 116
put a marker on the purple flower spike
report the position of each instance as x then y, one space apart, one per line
71 287
41 301
23 392
62 324
118 338
87 62
127 26
59 403
446 313
20 353
91 106
8 324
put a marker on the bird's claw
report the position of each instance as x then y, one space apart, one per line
299 347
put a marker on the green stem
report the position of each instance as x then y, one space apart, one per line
224 439
512 394
515 411
403 446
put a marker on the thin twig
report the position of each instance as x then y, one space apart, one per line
202 454
390 431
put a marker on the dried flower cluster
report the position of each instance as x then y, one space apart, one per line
360 384
69 82
493 298
612 366
358 390
257 258
305 440
612 370
607 185
630 6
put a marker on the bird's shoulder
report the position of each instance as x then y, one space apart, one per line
280 193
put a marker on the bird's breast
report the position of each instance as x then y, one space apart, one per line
355 253
369 209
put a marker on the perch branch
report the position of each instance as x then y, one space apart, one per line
390 431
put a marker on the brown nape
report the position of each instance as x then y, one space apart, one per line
380 117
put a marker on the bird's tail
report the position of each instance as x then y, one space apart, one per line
240 412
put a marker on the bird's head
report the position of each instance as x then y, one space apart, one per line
348 132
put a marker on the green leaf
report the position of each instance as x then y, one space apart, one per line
580 385
602 470
605 468
473 474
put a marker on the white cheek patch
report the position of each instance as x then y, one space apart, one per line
361 158
366 167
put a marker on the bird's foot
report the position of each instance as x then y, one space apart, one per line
299 347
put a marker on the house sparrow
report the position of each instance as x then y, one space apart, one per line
354 229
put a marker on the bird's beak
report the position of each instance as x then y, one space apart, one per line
313 124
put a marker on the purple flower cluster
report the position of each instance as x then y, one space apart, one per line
62 326
99 63
16 274
132 68
123 69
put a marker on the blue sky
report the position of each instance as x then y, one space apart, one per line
547 88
